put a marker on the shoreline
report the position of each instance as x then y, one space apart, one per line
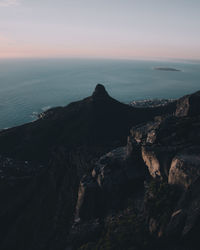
151 103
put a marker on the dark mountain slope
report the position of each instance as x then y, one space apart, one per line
38 196
97 121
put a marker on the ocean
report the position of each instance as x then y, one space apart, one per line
30 86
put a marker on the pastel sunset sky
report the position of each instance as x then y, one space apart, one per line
100 28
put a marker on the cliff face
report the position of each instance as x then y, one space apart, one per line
99 174
188 105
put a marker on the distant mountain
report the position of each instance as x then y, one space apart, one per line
98 120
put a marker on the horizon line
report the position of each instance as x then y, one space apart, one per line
104 58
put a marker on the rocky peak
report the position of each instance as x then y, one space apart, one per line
100 92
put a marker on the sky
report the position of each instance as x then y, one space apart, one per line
124 29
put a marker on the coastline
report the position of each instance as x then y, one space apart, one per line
151 103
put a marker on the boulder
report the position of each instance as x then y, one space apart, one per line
184 224
88 199
185 168
114 177
176 224
158 160
146 133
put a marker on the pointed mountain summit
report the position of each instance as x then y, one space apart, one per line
100 92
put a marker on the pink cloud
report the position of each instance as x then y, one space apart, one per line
7 3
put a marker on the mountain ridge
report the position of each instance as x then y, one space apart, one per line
98 119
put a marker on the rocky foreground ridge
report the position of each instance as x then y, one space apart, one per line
99 174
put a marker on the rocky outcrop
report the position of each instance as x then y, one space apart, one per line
156 156
185 168
146 133
89 199
188 105
158 160
163 139
114 177
184 224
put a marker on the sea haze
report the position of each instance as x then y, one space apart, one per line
30 86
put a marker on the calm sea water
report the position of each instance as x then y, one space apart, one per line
30 86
